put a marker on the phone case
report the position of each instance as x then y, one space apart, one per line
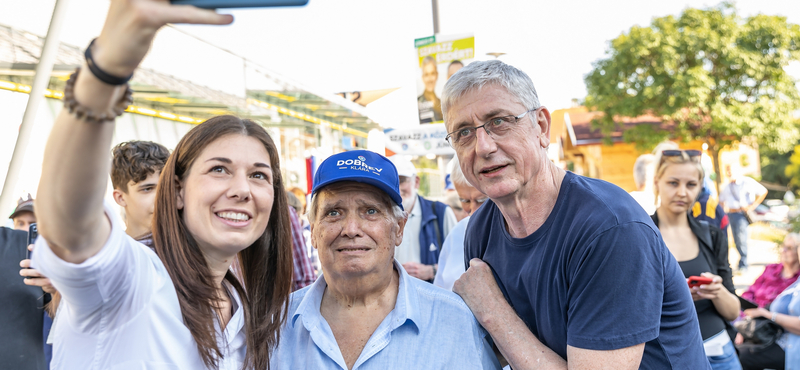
217 4
698 281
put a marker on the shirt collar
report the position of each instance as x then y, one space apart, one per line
235 324
417 210
404 308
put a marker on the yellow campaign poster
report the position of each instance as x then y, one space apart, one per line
439 57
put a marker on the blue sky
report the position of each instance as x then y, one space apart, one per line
347 45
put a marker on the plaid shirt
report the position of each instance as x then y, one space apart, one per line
303 272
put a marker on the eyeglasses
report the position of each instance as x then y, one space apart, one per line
679 153
496 128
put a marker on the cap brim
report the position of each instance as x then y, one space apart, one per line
21 210
364 180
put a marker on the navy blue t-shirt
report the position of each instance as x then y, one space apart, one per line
596 275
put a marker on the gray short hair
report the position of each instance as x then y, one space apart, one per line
640 167
397 212
493 72
456 176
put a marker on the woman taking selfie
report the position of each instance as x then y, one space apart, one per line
220 196
701 250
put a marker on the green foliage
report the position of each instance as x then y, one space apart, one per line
773 165
716 76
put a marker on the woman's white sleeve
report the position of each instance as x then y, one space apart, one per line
109 287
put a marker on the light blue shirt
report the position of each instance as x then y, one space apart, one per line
451 258
788 303
429 328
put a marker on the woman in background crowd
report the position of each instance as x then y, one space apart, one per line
784 309
219 196
701 250
778 276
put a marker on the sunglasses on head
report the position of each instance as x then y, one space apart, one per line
679 153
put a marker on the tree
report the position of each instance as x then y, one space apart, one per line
716 77
793 168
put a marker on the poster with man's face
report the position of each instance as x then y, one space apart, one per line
439 58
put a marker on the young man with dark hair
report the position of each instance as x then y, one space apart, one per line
135 168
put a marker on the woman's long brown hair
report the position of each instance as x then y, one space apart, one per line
266 265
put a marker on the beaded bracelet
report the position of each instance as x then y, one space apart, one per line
86 114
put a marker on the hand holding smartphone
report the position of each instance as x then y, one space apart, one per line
217 4
696 281
33 233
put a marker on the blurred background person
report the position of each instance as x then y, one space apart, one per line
429 223
784 311
701 250
21 314
303 271
707 208
22 218
23 215
300 207
777 276
643 170
741 195
300 195
454 202
775 279
451 259
294 202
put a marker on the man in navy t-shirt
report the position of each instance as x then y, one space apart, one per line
563 271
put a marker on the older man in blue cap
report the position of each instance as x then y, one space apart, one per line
366 312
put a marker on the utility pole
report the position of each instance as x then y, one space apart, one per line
40 82
435 5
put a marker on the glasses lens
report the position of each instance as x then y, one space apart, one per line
678 153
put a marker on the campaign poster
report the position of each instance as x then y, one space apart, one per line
418 140
438 58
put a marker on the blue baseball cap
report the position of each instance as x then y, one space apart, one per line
360 166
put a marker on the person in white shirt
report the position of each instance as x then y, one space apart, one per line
219 198
741 195
643 170
451 259
429 223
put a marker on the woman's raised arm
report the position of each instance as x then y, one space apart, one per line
69 202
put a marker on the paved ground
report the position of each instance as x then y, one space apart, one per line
760 254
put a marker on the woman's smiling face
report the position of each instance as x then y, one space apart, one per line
227 195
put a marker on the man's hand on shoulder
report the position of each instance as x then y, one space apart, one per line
479 290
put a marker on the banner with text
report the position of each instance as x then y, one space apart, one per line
443 56
419 140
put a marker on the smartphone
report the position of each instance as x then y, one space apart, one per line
698 281
33 233
217 4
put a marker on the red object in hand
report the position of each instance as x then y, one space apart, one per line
695 281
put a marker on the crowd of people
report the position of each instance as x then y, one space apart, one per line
216 264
